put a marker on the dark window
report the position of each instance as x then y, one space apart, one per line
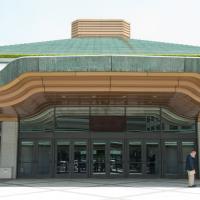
136 123
107 123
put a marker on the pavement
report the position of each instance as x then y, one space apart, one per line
98 189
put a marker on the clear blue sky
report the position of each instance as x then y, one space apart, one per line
23 21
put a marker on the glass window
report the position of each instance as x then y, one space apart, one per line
71 111
107 118
72 119
72 123
174 123
42 122
136 123
143 123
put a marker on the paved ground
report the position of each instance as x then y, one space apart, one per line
97 189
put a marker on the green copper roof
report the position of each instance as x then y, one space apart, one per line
99 46
98 54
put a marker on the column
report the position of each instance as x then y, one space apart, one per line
9 138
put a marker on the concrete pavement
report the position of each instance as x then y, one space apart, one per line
97 189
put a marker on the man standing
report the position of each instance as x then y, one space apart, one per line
190 168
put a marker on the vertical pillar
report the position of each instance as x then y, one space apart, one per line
198 142
9 138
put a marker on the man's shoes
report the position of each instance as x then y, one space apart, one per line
192 186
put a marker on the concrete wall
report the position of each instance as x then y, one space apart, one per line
9 138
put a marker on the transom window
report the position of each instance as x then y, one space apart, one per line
106 118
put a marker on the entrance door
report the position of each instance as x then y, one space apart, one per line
35 158
44 158
71 158
62 158
152 158
143 158
187 147
170 158
107 158
116 157
99 158
135 157
80 158
26 161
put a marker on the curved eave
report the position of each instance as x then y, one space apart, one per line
180 91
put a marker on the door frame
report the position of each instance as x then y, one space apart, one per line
71 173
123 160
51 160
89 137
106 174
80 175
62 175
144 142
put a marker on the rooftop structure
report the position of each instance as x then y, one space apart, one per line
100 28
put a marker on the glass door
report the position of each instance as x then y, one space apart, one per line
186 149
44 158
135 158
80 158
143 158
98 158
116 158
71 158
26 161
62 158
152 158
170 158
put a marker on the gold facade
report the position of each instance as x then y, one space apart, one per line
178 91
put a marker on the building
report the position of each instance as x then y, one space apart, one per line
98 105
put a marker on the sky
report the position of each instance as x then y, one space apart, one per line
24 21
